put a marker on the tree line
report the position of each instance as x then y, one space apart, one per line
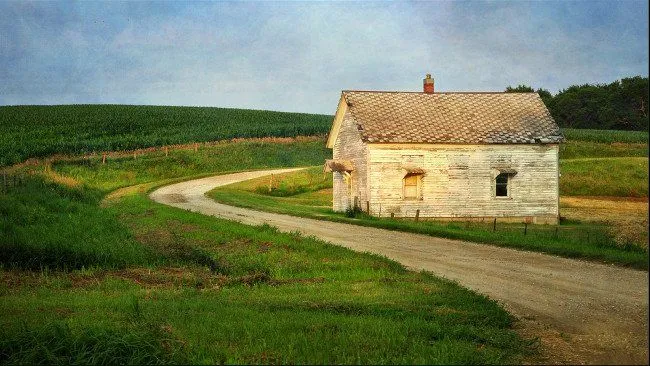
620 105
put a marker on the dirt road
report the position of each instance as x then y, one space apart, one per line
583 312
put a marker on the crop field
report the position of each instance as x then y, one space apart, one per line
605 136
38 131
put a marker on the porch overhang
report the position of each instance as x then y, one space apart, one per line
338 165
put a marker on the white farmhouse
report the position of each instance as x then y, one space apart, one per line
446 155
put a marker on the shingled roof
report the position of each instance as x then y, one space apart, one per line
463 118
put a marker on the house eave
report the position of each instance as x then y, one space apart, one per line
336 124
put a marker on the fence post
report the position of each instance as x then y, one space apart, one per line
417 215
494 225
392 215
525 228
368 207
104 158
166 151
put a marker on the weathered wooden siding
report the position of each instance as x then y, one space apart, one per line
460 181
349 146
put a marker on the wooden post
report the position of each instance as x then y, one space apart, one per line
356 202
417 215
368 207
525 228
392 215
104 158
166 151
494 226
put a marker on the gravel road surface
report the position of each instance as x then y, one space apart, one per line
583 312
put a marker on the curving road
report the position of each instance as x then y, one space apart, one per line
583 312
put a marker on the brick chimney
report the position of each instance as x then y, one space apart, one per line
428 84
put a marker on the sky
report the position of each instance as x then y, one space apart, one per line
298 56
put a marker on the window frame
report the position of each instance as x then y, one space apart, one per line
507 186
418 187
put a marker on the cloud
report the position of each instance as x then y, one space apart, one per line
299 56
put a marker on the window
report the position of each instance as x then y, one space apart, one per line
502 185
412 186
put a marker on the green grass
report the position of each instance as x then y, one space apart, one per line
585 149
224 157
621 177
47 225
38 131
127 280
573 240
605 136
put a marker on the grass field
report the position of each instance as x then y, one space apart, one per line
93 277
88 279
619 177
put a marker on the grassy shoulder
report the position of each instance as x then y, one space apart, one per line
575 239
124 279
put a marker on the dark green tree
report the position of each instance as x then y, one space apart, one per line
620 105
521 88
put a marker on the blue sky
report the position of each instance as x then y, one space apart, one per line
296 56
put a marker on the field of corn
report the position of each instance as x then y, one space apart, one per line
39 131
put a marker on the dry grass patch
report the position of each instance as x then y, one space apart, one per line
626 216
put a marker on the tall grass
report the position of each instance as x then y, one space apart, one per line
271 298
57 343
45 225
